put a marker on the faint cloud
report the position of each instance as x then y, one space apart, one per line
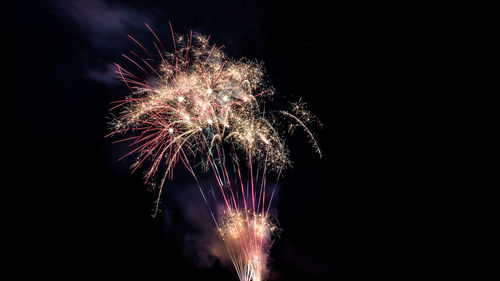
102 22
103 28
107 75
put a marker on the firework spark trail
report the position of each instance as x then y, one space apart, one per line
201 105
247 236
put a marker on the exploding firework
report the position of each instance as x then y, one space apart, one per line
199 107
247 237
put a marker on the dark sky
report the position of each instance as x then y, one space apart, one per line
84 215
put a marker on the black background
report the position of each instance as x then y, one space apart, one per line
343 217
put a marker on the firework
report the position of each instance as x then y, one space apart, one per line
247 236
201 108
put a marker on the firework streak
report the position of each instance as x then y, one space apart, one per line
201 108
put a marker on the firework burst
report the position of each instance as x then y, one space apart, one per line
199 106
247 237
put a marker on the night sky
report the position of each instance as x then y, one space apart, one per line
84 216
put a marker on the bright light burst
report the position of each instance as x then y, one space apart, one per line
200 106
247 236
